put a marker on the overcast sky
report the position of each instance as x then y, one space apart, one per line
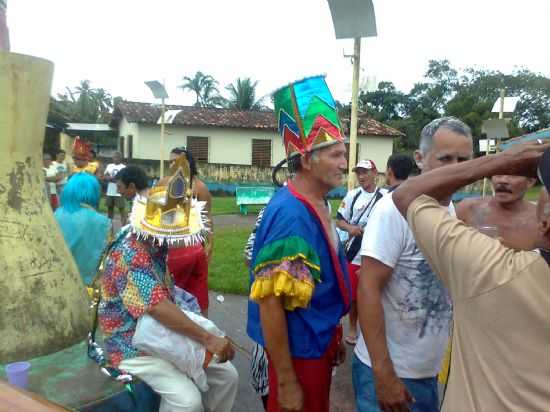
117 44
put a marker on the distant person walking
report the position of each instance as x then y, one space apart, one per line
113 198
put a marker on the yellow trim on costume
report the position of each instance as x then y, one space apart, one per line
279 261
296 293
445 365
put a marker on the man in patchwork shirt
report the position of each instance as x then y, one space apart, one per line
135 283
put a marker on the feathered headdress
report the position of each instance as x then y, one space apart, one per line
82 149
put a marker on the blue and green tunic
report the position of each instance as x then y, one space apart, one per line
294 258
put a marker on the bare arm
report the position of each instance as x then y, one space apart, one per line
173 318
275 331
351 229
391 392
442 182
372 281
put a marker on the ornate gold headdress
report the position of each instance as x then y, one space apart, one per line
170 213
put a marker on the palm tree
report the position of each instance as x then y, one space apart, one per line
205 88
242 95
104 103
86 104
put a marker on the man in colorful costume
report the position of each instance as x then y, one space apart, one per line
299 285
82 154
135 283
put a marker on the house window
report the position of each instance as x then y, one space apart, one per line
130 147
198 147
261 153
121 147
357 157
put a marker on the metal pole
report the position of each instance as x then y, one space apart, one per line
500 116
162 110
501 112
353 120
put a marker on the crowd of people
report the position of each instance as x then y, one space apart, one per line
428 288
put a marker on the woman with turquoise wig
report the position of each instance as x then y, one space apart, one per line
85 230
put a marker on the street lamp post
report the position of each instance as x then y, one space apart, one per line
159 92
353 19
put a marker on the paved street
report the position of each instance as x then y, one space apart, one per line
231 317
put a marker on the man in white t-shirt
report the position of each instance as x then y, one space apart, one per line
404 311
51 177
62 169
352 216
113 198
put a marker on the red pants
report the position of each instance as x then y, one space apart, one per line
189 267
314 376
54 202
353 271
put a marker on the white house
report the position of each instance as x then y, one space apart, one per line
225 137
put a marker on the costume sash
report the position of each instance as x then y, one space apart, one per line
344 291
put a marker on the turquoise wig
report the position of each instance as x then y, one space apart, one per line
86 231
81 188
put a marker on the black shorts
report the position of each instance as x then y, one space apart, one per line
115 201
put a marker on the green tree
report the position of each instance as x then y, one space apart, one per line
205 88
384 104
242 95
85 104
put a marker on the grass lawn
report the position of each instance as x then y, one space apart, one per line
225 205
228 206
228 273
533 193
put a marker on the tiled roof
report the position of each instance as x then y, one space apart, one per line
136 112
370 127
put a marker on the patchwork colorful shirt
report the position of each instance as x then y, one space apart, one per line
293 258
133 281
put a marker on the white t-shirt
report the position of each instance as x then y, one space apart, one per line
417 308
51 172
360 213
111 170
61 168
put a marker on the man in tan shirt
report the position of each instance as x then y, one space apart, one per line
501 297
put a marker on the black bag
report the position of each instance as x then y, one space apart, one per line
353 245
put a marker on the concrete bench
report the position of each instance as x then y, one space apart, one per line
258 195
72 380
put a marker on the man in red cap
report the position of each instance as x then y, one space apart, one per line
352 217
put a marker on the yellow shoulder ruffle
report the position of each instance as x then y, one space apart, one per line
296 293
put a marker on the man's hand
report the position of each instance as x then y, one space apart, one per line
524 158
290 396
392 394
220 347
355 230
341 354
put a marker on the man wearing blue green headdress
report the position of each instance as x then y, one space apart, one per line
299 287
